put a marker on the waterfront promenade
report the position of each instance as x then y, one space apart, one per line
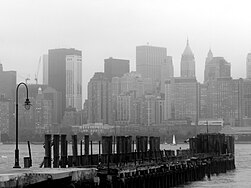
25 177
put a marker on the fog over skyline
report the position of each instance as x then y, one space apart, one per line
112 28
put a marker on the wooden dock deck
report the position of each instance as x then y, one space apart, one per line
40 177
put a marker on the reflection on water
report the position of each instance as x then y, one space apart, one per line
241 177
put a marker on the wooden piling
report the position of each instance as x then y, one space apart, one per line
55 151
81 152
106 144
74 149
63 151
86 144
47 147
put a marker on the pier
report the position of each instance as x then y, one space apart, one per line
125 162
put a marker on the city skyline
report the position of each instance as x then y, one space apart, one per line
103 35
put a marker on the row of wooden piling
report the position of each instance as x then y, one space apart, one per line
125 151
212 143
167 174
144 167
63 159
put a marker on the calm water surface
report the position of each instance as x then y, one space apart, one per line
241 177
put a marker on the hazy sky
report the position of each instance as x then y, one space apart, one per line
113 28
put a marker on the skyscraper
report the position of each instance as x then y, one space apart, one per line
45 69
149 60
181 99
116 67
187 63
246 102
99 99
8 83
74 81
5 115
224 97
166 71
217 67
57 71
248 66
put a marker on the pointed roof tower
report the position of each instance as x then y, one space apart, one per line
209 56
210 53
188 50
187 63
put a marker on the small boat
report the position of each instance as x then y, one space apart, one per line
174 141
165 142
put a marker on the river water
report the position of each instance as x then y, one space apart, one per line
241 177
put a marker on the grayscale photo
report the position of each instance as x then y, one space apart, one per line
125 93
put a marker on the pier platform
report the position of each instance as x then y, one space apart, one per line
41 177
141 167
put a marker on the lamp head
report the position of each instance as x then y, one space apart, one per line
27 104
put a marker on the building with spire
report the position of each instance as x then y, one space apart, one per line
209 56
187 63
216 67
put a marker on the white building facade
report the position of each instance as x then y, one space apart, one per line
74 81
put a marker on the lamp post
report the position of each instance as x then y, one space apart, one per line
27 107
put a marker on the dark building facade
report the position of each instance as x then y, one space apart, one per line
217 67
182 99
222 98
116 67
99 99
8 83
57 71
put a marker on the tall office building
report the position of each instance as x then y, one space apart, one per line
149 60
224 96
99 99
74 81
45 69
42 113
152 110
132 81
246 102
187 63
216 67
248 66
166 71
116 67
57 71
5 115
50 94
8 83
181 99
124 109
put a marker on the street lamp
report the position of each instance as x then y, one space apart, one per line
27 105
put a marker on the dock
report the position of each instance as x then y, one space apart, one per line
143 166
48 177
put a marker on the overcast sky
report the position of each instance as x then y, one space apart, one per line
113 28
